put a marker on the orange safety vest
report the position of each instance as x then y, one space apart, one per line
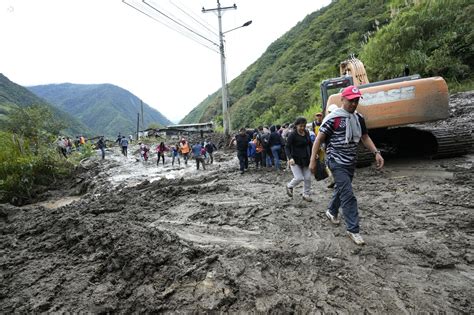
185 148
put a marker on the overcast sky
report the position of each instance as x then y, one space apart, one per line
107 41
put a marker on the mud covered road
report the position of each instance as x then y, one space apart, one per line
147 239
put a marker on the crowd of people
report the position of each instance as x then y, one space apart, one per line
66 146
326 145
201 151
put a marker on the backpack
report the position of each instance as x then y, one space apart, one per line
264 139
209 147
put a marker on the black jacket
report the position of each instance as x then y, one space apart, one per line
299 148
242 143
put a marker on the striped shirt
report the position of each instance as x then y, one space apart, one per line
336 146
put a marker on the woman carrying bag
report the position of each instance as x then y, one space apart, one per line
298 151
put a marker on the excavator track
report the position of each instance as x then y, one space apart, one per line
434 142
364 156
450 142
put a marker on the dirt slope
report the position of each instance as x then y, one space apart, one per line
165 239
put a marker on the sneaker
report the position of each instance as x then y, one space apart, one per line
307 198
289 191
334 219
356 238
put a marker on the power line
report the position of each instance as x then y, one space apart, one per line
182 25
172 28
179 19
203 23
189 36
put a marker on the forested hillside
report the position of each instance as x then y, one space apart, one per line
433 37
13 96
105 108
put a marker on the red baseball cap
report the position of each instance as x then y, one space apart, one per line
351 92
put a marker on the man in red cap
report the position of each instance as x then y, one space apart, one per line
342 130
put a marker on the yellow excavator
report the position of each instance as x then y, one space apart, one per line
397 112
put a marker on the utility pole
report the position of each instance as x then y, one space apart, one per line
225 112
138 124
143 124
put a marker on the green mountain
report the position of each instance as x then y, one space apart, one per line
105 108
433 37
13 95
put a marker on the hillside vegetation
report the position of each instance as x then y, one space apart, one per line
14 97
434 37
105 108
30 163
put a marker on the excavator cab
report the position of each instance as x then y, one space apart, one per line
330 84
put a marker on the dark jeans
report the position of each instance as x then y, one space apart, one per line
102 150
343 195
124 150
161 155
276 155
258 159
211 157
264 158
200 160
243 160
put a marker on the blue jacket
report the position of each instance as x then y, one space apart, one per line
197 150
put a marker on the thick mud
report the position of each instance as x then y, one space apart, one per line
133 237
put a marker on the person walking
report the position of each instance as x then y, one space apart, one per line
258 152
274 143
210 148
318 119
298 151
144 149
68 146
101 146
160 150
197 153
342 130
124 145
242 144
185 150
175 155
82 143
61 145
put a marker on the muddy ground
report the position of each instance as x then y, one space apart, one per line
125 237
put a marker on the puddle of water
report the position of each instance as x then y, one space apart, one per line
54 204
133 172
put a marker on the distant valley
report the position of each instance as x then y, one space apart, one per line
104 108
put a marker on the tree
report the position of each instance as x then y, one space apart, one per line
35 123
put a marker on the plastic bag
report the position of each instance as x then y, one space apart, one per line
321 172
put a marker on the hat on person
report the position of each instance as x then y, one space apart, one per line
332 107
319 114
351 92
